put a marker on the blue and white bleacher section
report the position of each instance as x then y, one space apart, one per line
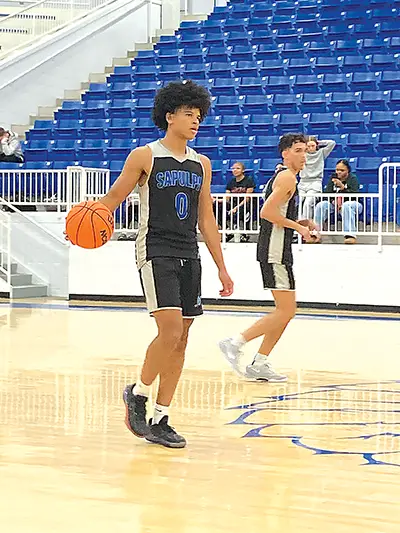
329 68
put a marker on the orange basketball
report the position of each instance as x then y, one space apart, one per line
89 224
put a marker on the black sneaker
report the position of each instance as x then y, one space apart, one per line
165 435
135 419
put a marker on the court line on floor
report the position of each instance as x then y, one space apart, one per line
245 313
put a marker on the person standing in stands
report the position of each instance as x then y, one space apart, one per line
238 208
10 147
312 174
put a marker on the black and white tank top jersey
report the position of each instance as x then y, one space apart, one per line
169 206
275 242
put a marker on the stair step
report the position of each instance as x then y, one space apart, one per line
29 291
145 46
97 77
73 94
165 31
193 17
20 130
132 54
46 111
20 280
14 267
121 62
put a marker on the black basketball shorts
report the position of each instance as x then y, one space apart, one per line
170 283
278 277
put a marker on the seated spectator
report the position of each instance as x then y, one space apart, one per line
10 147
341 181
312 174
237 212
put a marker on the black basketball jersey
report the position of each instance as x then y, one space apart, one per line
169 206
275 242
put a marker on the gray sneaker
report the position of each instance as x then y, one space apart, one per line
232 354
264 372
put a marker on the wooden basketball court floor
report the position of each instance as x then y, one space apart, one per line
318 454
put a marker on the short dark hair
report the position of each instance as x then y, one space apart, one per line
2 131
177 95
346 163
289 139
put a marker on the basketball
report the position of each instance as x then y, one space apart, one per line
89 224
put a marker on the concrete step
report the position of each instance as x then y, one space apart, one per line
14 267
193 17
132 54
20 130
46 111
20 280
165 31
97 77
73 94
121 62
29 291
146 46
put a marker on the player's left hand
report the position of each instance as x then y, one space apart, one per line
227 284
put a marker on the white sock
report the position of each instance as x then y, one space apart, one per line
259 359
140 389
159 412
239 341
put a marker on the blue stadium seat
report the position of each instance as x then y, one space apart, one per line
335 82
229 105
232 125
209 127
170 57
389 144
146 72
119 149
246 69
122 128
356 64
293 50
263 10
43 130
354 121
243 53
389 80
313 103
281 22
171 72
338 32
266 146
393 44
65 150
144 107
344 101
285 8
341 141
382 62
71 109
257 24
209 146
288 35
267 52
115 170
319 49
211 26
221 70
263 37
237 38
122 91
237 147
37 150
97 91
241 11
225 87
322 123
327 65
122 109
195 71
93 128
261 125
373 46
192 55
62 165
122 74
267 169
285 103
236 25
365 81
368 167
394 102
361 144
289 122
279 84
95 164
384 14
146 57
299 66
367 30
146 89
218 172
307 20
307 6
254 104
358 16
95 109
307 84
254 86
374 100
216 54
384 121
93 149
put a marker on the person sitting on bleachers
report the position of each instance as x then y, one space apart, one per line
312 174
237 212
10 147
341 181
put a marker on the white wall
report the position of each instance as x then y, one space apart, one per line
331 274
4 287
69 59
201 6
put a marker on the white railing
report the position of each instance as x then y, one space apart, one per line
47 16
52 190
389 187
5 247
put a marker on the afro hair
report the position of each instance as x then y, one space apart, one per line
177 95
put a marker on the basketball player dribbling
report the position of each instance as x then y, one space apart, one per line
174 189
274 253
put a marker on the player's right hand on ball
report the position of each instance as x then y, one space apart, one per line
305 233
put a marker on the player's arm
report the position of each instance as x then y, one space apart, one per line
209 230
283 188
138 161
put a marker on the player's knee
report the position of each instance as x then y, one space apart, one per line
287 314
171 335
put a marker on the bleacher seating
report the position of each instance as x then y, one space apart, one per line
324 67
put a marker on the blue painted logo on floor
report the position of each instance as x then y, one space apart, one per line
357 419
